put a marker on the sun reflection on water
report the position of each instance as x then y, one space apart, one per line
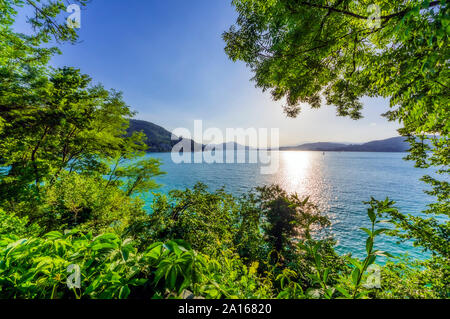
294 171
303 173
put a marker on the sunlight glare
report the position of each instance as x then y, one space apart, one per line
294 170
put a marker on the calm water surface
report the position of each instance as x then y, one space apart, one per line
338 182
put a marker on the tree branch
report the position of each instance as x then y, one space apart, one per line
358 16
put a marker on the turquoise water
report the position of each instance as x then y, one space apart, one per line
338 182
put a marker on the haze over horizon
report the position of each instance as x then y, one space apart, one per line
171 77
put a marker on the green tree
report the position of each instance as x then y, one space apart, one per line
340 51
64 123
58 132
203 219
137 176
23 55
287 217
23 74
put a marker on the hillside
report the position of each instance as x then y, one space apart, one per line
158 138
394 144
320 146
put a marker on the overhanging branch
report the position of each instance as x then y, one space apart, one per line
358 16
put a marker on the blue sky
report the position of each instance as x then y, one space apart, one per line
167 58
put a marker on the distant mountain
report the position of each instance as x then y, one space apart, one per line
158 138
394 144
320 146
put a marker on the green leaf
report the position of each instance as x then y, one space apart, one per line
104 246
124 292
371 260
172 246
371 214
106 237
318 260
54 235
172 278
343 291
369 244
182 244
355 262
355 276
159 273
325 275
330 292
125 253
367 231
155 252
379 231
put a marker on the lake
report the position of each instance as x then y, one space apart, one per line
338 182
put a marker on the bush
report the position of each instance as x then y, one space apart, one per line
412 279
206 220
37 267
83 202
12 225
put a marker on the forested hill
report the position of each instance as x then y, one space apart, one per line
394 144
158 138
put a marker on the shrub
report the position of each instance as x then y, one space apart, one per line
110 267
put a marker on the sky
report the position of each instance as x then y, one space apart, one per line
168 59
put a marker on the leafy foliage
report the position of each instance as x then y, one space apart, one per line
407 278
203 219
10 224
114 268
70 175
